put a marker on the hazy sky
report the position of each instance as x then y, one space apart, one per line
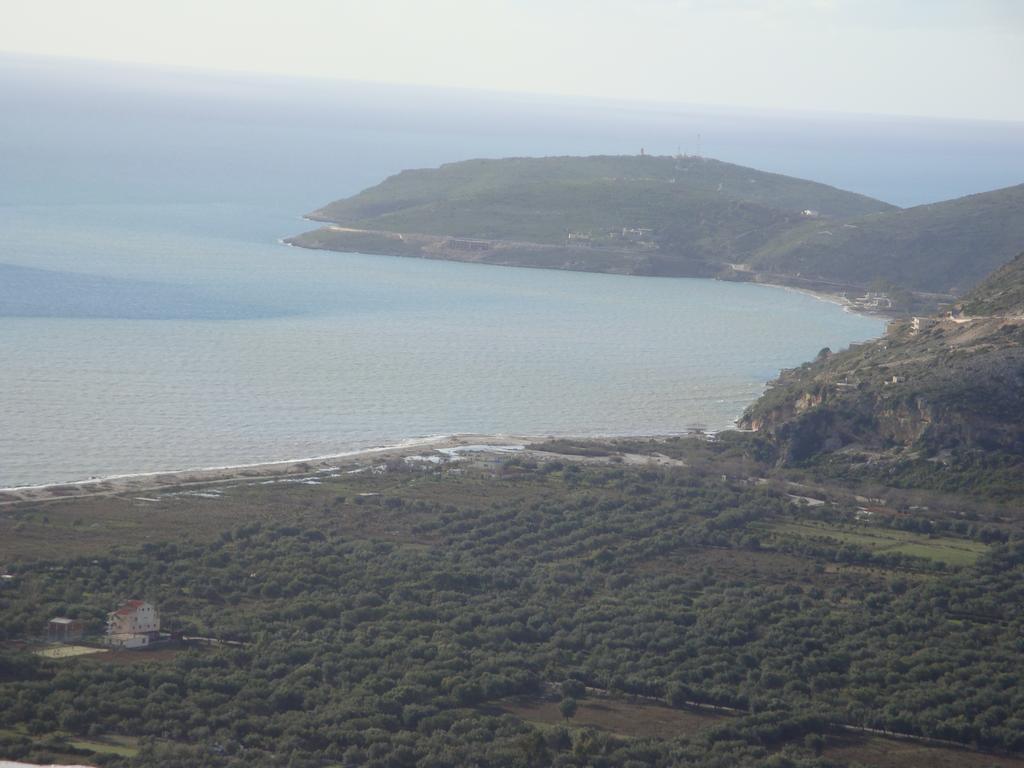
950 58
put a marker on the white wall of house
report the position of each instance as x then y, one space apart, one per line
130 620
127 641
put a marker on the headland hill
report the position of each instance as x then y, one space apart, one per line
681 216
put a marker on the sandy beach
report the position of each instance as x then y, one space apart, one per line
149 481
437 449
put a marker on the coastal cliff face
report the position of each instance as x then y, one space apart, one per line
929 386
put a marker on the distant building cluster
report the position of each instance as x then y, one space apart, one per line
462 244
641 236
873 300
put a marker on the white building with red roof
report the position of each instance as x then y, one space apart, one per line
133 625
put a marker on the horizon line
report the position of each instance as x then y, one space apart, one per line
622 102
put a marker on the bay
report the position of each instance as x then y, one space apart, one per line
341 351
150 319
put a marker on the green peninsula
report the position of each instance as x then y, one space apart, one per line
678 216
626 214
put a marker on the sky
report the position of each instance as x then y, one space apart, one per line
930 58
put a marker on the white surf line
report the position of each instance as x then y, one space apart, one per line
414 442
408 443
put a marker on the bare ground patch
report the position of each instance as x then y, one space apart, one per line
879 752
625 718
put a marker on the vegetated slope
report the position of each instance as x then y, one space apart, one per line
386 618
1002 293
951 390
945 247
682 208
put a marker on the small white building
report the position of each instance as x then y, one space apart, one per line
636 234
919 324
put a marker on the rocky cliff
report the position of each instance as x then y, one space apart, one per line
930 386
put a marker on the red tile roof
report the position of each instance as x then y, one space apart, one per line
130 607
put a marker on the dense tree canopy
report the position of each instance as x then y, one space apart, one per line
390 650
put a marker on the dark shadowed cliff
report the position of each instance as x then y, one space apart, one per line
933 390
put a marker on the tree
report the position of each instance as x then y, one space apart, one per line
568 707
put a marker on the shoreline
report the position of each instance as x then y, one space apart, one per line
150 480
163 479
167 478
831 298
362 458
758 278
411 442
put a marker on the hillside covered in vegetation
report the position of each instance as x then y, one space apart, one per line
632 214
529 610
676 216
932 395
1002 292
945 247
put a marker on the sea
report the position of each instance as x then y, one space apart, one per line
151 319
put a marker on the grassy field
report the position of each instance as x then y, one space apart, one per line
646 720
77 749
879 752
124 746
954 552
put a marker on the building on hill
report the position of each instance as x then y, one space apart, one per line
636 234
133 625
63 630
919 324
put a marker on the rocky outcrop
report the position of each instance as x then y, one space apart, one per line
949 384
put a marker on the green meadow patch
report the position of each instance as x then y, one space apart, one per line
124 746
877 540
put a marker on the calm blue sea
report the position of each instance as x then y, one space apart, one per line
150 319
